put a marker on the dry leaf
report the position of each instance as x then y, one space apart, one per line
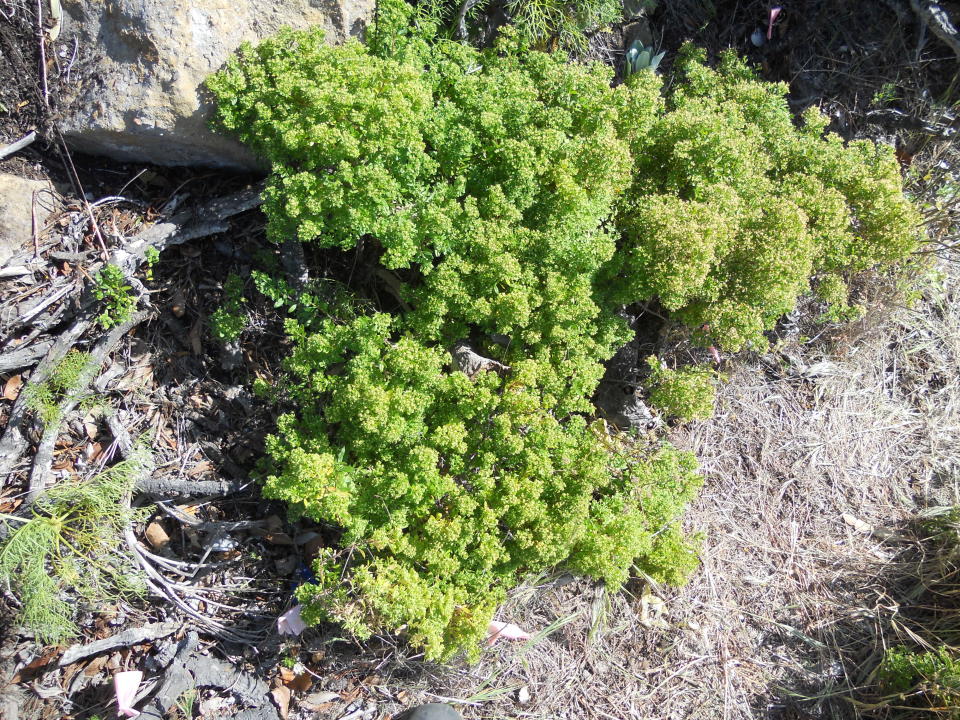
651 607
178 304
12 387
157 536
508 631
301 683
95 666
8 506
201 468
90 427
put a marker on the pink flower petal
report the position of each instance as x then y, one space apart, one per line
290 622
125 685
497 630
774 14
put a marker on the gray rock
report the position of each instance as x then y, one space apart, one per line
16 212
136 91
434 711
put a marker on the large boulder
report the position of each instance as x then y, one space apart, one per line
136 91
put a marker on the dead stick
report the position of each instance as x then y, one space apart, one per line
937 19
44 456
14 440
43 55
18 145
125 639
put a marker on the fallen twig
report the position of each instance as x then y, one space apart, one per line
14 440
18 145
125 639
24 357
168 487
938 20
43 54
185 226
98 355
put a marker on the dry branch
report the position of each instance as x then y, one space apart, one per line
44 455
24 357
18 145
14 440
125 639
185 226
938 20
191 668
169 487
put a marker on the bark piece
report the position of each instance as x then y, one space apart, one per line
125 639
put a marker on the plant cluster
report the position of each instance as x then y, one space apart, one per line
685 393
229 320
112 289
929 680
538 23
517 201
70 545
920 675
44 399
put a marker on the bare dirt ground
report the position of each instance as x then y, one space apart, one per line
820 453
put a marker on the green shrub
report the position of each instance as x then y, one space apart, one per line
514 201
686 394
928 681
733 208
538 23
448 488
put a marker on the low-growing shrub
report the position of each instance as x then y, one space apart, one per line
686 393
514 202
733 208
925 681
448 488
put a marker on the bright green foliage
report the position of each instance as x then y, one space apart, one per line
72 544
111 288
230 320
832 290
686 394
733 208
540 24
44 399
480 175
515 200
448 488
929 681
564 21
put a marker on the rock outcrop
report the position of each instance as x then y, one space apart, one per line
136 85
17 211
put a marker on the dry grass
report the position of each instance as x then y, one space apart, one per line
813 464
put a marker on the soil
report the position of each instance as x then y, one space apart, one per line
819 454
